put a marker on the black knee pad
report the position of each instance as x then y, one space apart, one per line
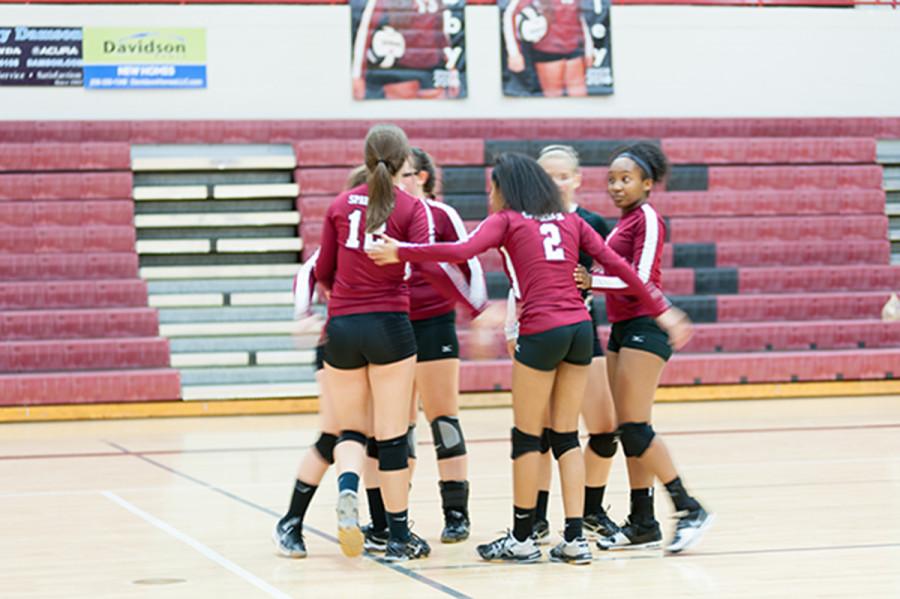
393 454
448 437
356 436
636 438
411 441
604 444
372 448
325 446
545 440
563 442
523 443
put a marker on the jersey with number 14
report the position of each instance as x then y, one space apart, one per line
357 284
539 255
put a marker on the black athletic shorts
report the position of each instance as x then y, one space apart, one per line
356 340
376 79
544 351
320 357
538 56
436 337
641 333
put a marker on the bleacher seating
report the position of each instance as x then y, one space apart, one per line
74 321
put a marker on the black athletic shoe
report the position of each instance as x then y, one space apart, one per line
456 527
689 529
599 525
643 535
508 549
415 548
374 541
288 537
540 532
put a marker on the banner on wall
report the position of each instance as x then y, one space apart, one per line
405 49
41 56
144 58
555 48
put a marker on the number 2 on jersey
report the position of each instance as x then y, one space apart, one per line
552 239
355 219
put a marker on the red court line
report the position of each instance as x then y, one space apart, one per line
698 433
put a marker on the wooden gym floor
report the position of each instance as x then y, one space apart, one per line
807 494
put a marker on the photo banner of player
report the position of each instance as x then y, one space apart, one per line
41 56
408 49
554 48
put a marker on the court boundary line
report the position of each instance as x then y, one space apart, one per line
607 556
438 586
483 440
197 546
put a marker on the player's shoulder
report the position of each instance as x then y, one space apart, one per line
349 199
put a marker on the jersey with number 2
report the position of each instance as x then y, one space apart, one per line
539 255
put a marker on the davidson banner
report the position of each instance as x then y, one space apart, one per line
405 49
555 48
144 58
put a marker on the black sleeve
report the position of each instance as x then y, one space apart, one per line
596 222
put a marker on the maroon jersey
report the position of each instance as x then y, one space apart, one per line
422 26
465 279
540 254
638 238
357 284
564 30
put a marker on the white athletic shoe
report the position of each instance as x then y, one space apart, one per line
690 529
508 549
577 551
350 535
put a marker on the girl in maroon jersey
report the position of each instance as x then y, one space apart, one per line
370 345
437 367
560 43
562 164
539 242
637 353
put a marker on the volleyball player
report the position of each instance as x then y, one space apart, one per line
288 534
561 46
637 353
437 367
398 47
562 164
370 345
540 243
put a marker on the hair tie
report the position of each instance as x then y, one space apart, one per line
384 162
645 166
